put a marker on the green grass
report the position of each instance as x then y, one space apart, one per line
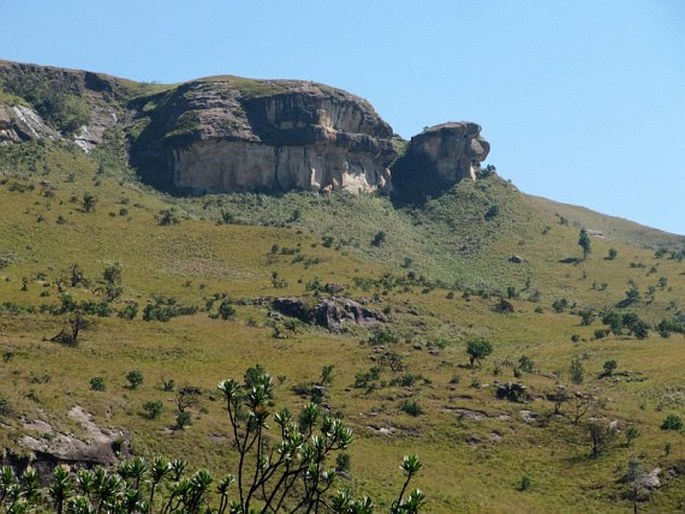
469 466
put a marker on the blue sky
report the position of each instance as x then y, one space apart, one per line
583 101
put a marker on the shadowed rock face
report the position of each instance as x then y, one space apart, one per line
220 135
438 158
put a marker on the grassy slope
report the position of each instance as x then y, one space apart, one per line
448 241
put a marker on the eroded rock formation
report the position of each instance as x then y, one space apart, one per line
233 135
230 134
331 313
438 158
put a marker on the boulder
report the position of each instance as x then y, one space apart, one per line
96 446
512 391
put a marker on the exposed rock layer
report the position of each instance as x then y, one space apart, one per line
438 158
232 135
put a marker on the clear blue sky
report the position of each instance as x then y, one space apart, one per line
583 101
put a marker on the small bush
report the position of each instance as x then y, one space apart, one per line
609 367
129 311
524 483
135 378
526 364
672 422
152 409
412 408
378 239
4 405
577 371
97 384
183 419
167 217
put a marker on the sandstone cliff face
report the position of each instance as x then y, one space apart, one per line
233 135
230 134
438 158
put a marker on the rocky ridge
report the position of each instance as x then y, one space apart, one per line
230 134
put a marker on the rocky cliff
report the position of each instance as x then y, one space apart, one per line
230 134
438 158
233 135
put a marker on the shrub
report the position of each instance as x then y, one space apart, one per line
97 384
4 405
526 364
672 422
587 316
378 239
612 254
226 310
183 419
411 407
152 409
135 378
524 483
164 308
577 371
631 433
167 217
560 304
129 311
609 367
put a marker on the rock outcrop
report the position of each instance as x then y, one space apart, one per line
66 91
19 123
227 134
230 134
438 158
331 313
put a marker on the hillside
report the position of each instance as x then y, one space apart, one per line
82 237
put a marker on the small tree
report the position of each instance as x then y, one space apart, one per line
293 468
600 437
612 254
135 378
577 371
584 243
609 367
88 202
631 432
477 350
152 409
97 384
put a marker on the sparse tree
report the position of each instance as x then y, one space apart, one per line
631 432
88 202
584 243
478 349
